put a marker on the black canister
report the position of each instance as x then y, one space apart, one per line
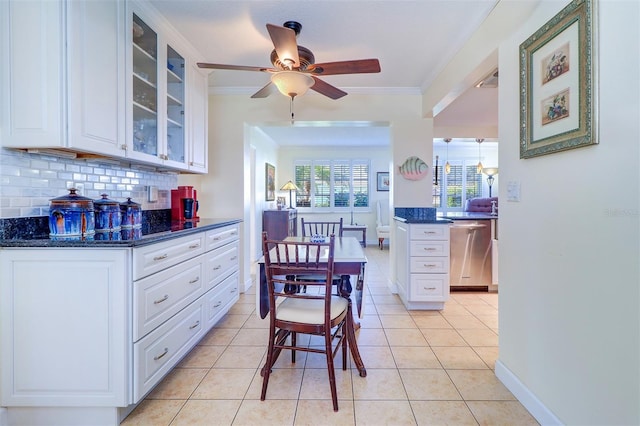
71 217
131 214
107 215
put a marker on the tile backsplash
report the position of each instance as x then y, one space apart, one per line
29 181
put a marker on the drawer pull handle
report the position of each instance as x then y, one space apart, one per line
217 267
164 256
216 238
194 325
430 232
217 304
195 280
429 265
194 246
430 249
429 288
234 233
159 301
157 357
233 258
233 290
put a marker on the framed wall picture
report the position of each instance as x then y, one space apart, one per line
270 182
383 181
557 83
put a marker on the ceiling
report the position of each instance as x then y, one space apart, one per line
413 39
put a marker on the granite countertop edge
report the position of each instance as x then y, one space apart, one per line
442 221
468 216
200 226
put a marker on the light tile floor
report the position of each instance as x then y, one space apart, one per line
423 368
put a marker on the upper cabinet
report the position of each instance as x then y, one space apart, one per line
103 77
62 84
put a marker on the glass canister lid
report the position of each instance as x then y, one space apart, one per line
72 200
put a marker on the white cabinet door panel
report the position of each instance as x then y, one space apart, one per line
83 293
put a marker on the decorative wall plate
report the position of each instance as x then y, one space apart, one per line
413 168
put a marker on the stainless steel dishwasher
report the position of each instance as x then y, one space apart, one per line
471 253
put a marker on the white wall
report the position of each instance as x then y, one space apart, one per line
569 250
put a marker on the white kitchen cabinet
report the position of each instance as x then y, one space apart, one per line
65 327
165 98
62 75
87 332
422 264
197 109
102 77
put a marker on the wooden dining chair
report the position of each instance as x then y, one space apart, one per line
324 228
319 313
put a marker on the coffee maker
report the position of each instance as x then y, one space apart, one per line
177 203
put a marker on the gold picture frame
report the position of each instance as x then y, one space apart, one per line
270 182
558 83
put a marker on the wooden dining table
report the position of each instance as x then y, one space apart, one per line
348 260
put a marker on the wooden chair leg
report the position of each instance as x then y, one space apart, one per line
332 373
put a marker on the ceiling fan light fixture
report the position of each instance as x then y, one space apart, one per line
292 83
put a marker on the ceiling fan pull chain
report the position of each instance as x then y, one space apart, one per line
291 109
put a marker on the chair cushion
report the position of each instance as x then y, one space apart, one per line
383 230
309 311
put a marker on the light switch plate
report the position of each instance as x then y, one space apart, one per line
152 193
513 191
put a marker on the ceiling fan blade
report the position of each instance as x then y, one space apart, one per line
284 41
234 67
360 66
265 91
327 89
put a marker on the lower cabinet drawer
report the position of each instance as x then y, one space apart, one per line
429 287
158 297
220 298
429 248
221 262
158 353
429 264
221 236
156 257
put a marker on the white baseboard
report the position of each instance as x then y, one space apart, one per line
4 417
537 409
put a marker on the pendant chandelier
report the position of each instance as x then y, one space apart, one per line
447 166
479 167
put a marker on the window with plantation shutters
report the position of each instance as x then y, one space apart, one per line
332 184
303 182
462 183
321 185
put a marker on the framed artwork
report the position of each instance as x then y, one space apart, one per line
557 83
383 181
270 182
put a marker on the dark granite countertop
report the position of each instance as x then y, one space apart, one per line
439 221
150 235
467 215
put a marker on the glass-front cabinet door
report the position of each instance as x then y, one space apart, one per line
145 88
175 132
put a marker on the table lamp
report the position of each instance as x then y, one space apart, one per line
490 172
289 186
